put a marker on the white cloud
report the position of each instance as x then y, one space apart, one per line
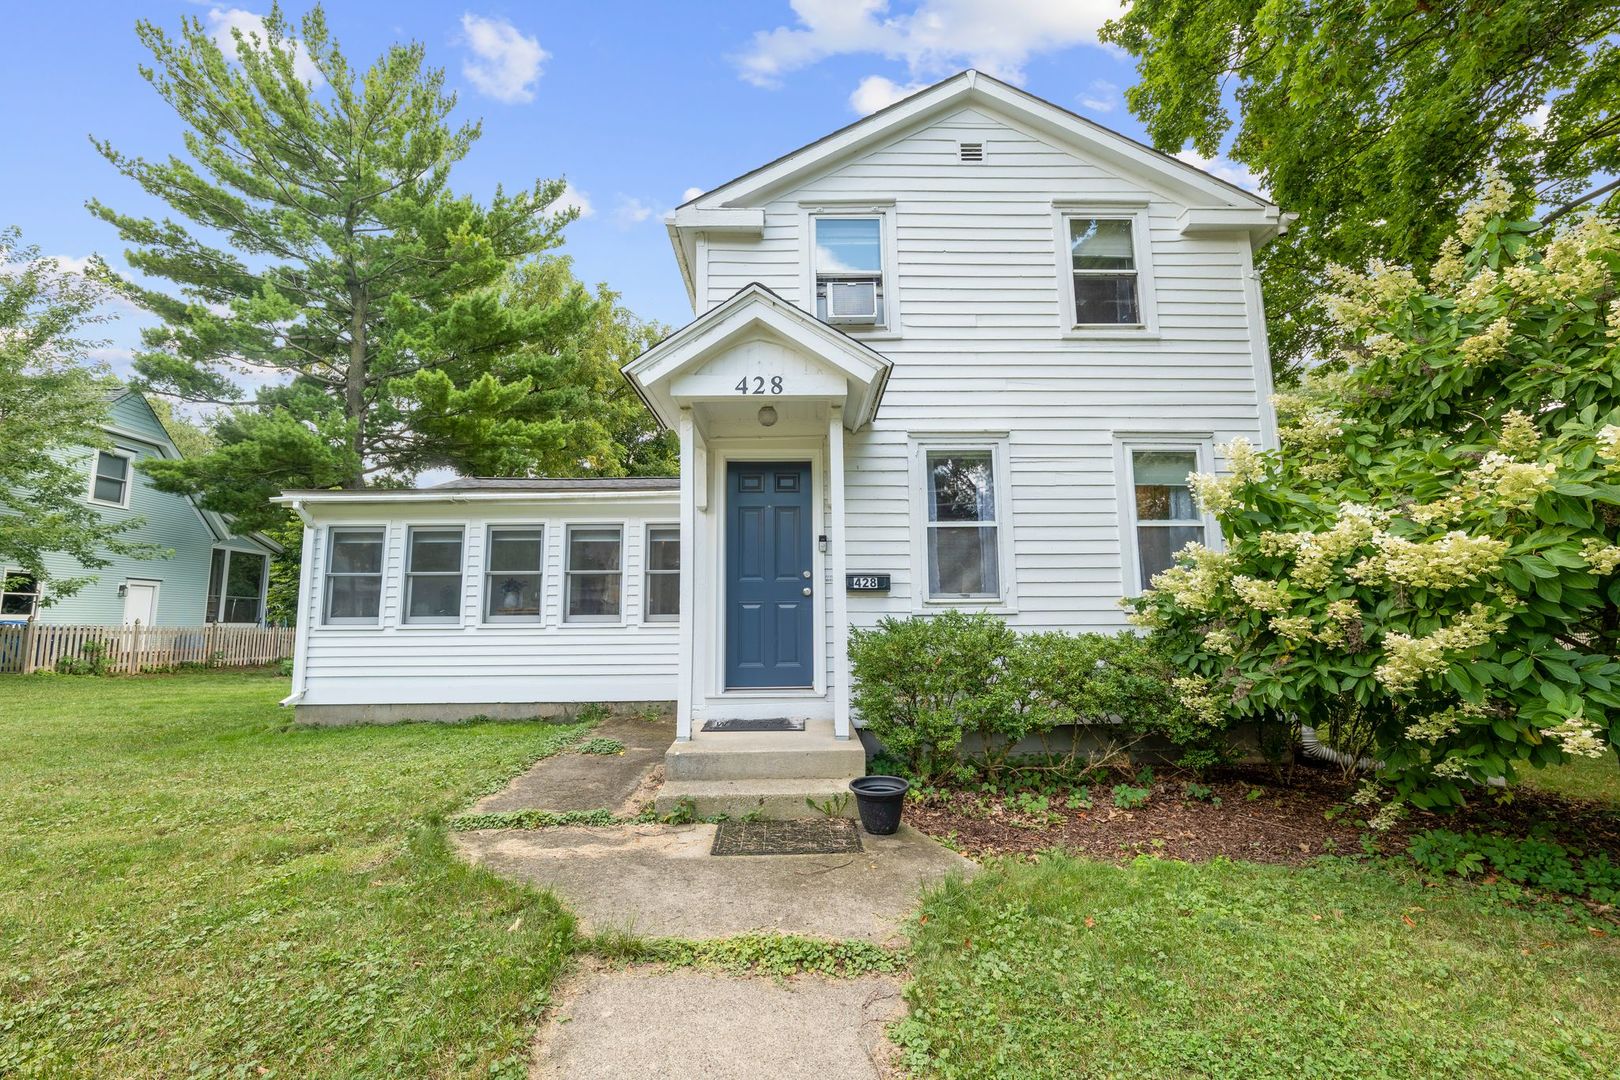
631 211
121 362
573 199
933 37
691 193
1230 171
505 63
221 21
1101 96
875 92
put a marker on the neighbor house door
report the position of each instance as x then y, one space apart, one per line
140 602
769 591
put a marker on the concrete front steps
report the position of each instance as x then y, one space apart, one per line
769 773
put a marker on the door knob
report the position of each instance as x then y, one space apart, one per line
805 574
807 590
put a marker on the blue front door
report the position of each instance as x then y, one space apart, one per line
769 626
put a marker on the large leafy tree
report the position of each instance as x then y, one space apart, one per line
1375 122
52 405
1429 571
322 247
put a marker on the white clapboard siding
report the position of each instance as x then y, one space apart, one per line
980 346
552 661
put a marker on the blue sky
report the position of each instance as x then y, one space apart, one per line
634 102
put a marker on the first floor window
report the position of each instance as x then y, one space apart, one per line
1102 261
354 575
594 573
110 483
433 576
512 580
963 524
1167 520
663 586
235 586
19 594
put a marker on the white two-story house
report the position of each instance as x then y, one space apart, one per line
961 353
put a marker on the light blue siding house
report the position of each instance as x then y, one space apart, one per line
206 574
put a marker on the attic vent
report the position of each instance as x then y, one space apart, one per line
970 151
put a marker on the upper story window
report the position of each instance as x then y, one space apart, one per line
848 266
354 576
109 480
433 575
512 581
19 594
1102 261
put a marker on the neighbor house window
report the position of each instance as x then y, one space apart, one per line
1165 519
512 579
594 586
963 524
662 590
19 594
848 265
354 576
109 483
433 575
235 587
1102 263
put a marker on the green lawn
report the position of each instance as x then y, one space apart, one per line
190 886
1593 779
1071 968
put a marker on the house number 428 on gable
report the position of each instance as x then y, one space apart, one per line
758 385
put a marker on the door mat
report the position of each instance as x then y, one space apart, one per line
755 723
809 836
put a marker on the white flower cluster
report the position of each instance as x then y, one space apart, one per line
1451 769
1221 640
1342 614
1195 581
1218 494
1292 627
1479 291
1453 560
1488 345
1579 737
1359 299
1602 558
1608 441
1515 484
1409 660
1520 438
1437 725
1261 595
1495 201
1198 698
1355 527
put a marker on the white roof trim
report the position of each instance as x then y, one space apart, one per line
382 496
750 308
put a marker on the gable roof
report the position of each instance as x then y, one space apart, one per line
750 310
733 205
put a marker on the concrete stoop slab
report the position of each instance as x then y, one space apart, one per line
768 798
661 881
640 1023
574 781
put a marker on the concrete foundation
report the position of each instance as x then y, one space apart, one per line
562 712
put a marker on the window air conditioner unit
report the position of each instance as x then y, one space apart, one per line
853 302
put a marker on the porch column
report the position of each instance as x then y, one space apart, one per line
840 597
686 666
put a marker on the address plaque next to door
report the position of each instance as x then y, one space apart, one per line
866 582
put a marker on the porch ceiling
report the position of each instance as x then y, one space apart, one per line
756 349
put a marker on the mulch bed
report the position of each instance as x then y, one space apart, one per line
1288 823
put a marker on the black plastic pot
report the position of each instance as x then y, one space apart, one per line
880 800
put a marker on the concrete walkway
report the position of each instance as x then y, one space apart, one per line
573 781
648 1024
661 881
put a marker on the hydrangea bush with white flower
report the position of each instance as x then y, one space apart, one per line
1429 570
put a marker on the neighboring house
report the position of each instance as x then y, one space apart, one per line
961 353
207 575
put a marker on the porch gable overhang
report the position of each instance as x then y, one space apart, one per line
746 332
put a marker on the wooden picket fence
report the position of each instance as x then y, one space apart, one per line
125 649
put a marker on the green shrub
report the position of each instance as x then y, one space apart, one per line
601 745
923 684
92 660
1534 861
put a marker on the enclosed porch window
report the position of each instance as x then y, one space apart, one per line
235 587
